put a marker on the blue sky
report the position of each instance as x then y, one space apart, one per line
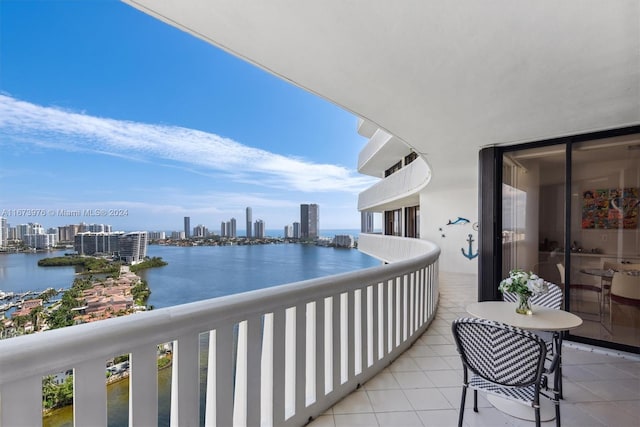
103 107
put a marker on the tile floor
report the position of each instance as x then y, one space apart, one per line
423 386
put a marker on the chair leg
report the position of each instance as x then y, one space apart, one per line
557 404
464 397
475 400
537 410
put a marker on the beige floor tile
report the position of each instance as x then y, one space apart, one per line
389 400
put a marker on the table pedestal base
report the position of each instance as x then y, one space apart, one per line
522 411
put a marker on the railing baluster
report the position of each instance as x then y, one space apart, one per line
90 393
240 379
359 332
350 303
405 307
279 326
224 374
300 358
254 349
210 404
143 386
319 350
185 382
372 320
21 402
383 319
363 330
391 315
310 353
412 303
333 332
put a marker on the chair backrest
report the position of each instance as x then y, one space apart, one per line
626 286
552 299
499 353
561 271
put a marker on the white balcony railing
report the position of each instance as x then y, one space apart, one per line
276 356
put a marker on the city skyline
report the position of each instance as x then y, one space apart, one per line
89 124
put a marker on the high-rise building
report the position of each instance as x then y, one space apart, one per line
232 228
90 243
67 233
156 235
309 221
129 247
296 230
4 232
200 231
288 231
133 247
187 227
223 229
40 240
259 229
178 235
249 222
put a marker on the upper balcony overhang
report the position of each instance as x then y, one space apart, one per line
366 128
398 190
380 153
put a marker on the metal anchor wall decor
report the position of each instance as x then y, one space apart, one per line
469 254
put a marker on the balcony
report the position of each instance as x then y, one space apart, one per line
288 353
397 190
372 346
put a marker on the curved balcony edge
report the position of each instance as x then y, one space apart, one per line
404 184
393 249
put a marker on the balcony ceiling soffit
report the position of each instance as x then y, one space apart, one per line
446 77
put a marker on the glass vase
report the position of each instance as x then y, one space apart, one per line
524 304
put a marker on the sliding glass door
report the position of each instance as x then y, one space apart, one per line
583 235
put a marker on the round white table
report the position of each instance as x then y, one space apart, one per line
542 319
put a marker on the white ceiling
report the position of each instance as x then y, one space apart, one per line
447 77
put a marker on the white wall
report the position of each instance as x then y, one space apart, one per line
437 208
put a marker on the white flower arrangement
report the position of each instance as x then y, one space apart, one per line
523 283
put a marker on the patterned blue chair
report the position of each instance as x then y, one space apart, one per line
503 360
552 299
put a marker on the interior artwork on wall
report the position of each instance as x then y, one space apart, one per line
610 208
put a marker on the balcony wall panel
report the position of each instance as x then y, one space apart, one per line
400 189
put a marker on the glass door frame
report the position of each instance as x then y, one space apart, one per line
490 214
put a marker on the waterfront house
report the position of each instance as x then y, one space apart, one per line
492 125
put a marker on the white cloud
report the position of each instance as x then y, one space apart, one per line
72 131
